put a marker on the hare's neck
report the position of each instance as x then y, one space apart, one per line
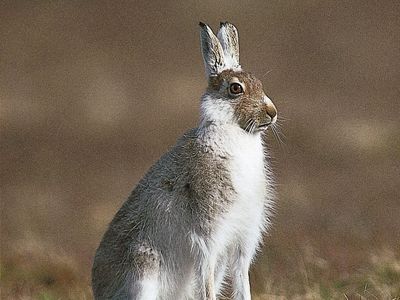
229 140
243 156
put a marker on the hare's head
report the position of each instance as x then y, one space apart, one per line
233 95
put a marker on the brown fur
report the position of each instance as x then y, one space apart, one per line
249 106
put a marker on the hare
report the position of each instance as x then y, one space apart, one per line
196 218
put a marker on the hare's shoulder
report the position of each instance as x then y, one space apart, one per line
189 160
177 161
189 174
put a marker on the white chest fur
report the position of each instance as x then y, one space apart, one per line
245 219
246 216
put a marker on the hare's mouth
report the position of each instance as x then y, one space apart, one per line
253 126
264 125
259 128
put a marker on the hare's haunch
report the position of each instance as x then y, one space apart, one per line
197 217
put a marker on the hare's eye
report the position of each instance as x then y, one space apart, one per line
235 88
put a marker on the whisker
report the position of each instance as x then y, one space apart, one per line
282 117
250 126
248 123
277 134
253 126
278 126
278 130
266 73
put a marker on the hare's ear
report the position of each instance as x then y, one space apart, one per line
211 48
229 38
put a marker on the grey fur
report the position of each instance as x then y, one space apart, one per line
229 39
181 193
165 231
213 54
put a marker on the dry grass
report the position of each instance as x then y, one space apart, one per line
377 278
35 271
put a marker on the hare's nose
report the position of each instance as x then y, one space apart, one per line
270 109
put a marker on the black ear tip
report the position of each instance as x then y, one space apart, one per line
202 24
222 24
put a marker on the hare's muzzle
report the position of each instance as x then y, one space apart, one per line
270 112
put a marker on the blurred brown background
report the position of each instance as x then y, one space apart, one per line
93 92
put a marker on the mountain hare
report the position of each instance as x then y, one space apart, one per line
197 216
